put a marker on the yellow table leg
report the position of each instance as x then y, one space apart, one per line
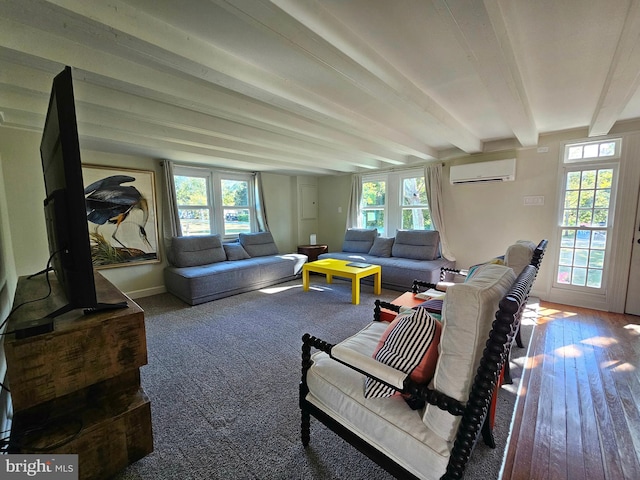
355 291
377 283
305 280
329 278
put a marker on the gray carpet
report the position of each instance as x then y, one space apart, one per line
223 382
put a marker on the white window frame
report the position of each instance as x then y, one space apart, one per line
214 195
567 166
393 207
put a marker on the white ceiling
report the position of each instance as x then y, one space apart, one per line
322 86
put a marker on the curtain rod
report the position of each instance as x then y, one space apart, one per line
208 167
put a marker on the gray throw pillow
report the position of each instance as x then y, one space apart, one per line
417 244
197 250
381 247
235 251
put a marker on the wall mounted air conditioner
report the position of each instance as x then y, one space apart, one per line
494 171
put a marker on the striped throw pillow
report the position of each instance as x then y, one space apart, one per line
410 344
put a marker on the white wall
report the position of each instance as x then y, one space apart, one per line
483 219
25 194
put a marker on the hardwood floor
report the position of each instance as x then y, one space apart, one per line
578 416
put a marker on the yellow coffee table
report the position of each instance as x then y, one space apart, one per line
339 268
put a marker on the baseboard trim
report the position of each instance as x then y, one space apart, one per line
146 292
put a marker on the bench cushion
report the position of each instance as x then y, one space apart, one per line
467 315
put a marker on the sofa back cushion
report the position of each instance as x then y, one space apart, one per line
258 244
467 315
417 244
519 255
359 240
197 250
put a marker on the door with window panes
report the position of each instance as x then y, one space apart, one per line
588 200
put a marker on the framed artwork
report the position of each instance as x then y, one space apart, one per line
122 216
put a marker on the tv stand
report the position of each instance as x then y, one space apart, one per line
76 389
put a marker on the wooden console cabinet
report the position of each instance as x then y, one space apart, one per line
77 389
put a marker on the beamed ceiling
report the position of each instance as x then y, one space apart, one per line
322 86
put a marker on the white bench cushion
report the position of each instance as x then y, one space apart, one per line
467 314
387 423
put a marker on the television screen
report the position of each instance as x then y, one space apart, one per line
65 210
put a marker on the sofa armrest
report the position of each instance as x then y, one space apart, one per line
369 366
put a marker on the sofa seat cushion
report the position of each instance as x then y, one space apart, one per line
387 423
208 282
417 244
197 250
468 312
359 240
258 244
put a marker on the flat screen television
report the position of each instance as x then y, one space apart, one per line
64 205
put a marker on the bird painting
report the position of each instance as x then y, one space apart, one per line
109 201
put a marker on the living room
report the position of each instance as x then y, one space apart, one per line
481 219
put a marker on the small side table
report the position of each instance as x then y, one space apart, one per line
312 251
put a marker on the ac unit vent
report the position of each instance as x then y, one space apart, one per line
494 171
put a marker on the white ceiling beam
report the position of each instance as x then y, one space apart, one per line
165 87
355 61
623 77
481 30
148 37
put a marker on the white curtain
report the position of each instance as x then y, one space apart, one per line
261 212
354 219
170 216
433 184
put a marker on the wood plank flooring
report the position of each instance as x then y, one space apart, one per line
578 415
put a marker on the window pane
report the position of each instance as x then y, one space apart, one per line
605 178
235 193
586 198
564 275
583 238
602 198
579 276
591 151
594 278
600 218
571 199
416 219
374 219
236 221
581 257
191 190
607 149
566 256
599 239
596 258
194 221
585 217
570 218
568 238
575 152
588 179
573 181
373 194
414 191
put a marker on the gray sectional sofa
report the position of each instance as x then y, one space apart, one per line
410 255
203 268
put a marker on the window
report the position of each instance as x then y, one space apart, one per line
211 201
586 220
395 201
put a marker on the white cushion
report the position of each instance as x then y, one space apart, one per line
519 255
387 423
467 314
